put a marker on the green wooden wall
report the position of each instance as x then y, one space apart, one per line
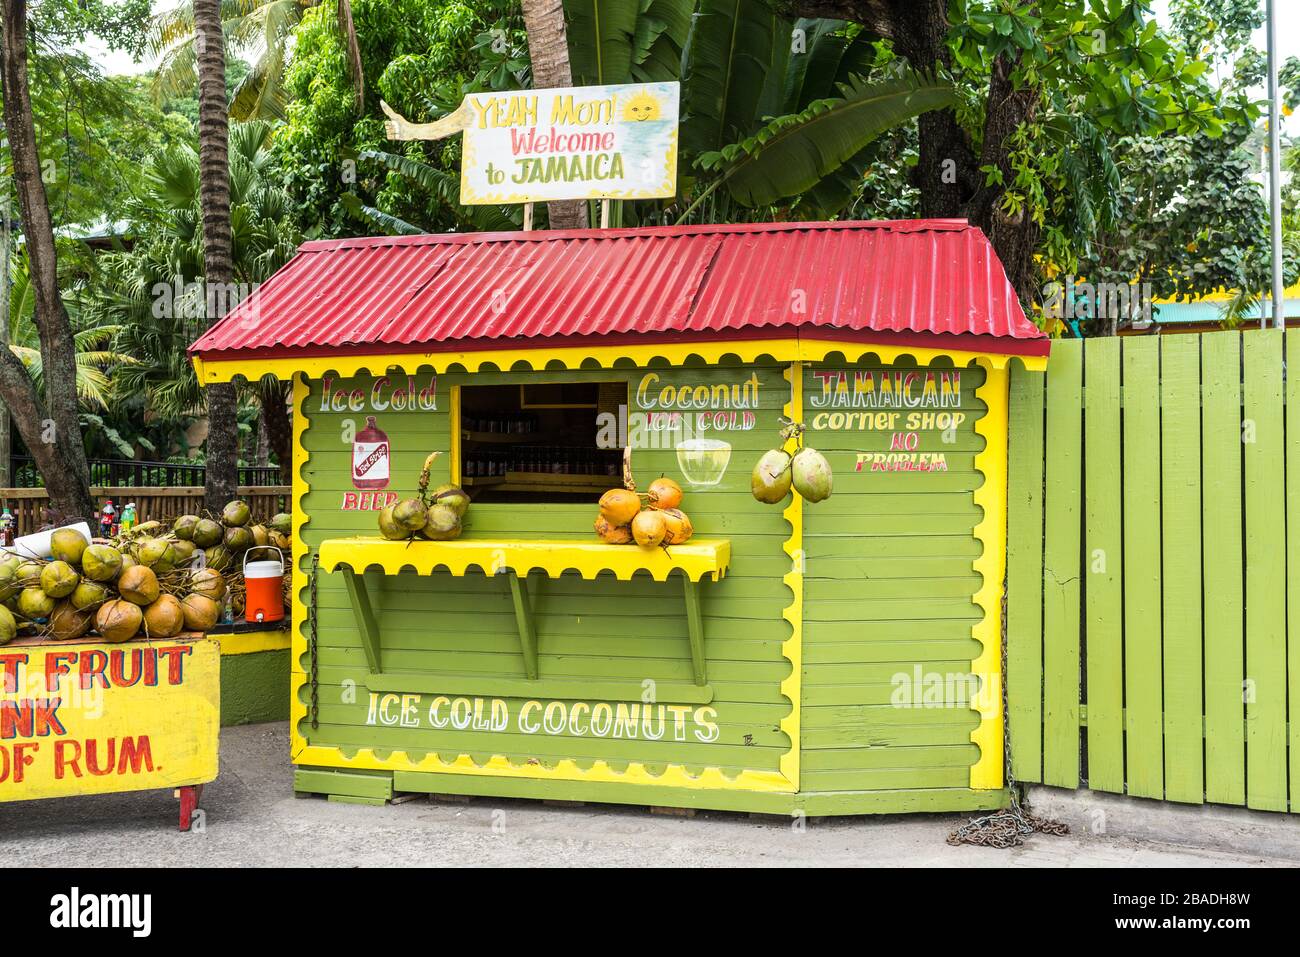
888 589
587 630
1153 629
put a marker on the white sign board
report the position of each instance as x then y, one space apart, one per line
589 142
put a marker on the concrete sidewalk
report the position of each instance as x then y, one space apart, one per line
252 819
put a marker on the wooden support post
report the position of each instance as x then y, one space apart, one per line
528 217
366 623
695 629
524 618
604 214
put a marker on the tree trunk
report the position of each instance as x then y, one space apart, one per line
548 49
279 427
51 429
214 197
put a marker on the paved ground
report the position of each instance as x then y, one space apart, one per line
252 819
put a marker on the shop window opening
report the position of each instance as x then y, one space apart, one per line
541 442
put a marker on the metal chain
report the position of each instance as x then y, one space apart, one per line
311 641
1009 827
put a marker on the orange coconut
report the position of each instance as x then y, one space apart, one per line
664 493
618 506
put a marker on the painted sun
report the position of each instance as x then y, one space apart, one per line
641 107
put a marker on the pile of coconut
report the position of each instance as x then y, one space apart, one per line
153 581
650 519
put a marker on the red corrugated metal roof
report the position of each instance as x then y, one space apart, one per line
907 279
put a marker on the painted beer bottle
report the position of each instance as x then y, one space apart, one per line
370 456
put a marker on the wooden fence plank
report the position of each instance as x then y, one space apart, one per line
1266 737
1061 543
1143 691
1103 557
1293 556
1225 726
1180 501
1025 575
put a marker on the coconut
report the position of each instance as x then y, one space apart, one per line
183 551
183 527
619 506
58 579
208 582
101 563
68 623
156 553
218 557
67 544
118 620
238 539
200 612
9 584
88 595
164 618
282 523
442 524
236 513
612 534
29 573
678 527
649 528
664 493
453 496
207 533
812 475
128 561
388 526
410 515
139 584
770 482
34 604
8 627
279 540
260 534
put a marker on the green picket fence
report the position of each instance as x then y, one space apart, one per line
1154 509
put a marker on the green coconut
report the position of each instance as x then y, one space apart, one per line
68 623
452 496
88 595
183 527
410 515
34 604
118 620
156 553
101 563
238 539
812 475
139 584
9 584
67 544
164 618
388 526
59 579
442 524
183 551
279 540
236 513
218 557
8 627
770 481
207 533
29 573
128 561
200 612
208 582
282 523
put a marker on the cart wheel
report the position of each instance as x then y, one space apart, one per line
189 795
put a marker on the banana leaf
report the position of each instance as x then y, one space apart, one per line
600 34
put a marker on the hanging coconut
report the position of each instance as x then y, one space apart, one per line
236 514
218 557
207 533
238 539
677 526
664 493
8 627
34 604
101 563
68 623
67 544
58 579
164 618
88 595
200 612
208 582
138 584
619 506
282 523
118 620
770 481
649 528
183 527
612 534
811 474
388 526
442 524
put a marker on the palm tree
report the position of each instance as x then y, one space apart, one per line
548 49
259 30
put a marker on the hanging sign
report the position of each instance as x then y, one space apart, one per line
588 142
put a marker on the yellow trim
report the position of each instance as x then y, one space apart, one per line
251 642
991 496
543 358
695 559
792 649
298 608
454 412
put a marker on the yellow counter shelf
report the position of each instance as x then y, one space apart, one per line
697 560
